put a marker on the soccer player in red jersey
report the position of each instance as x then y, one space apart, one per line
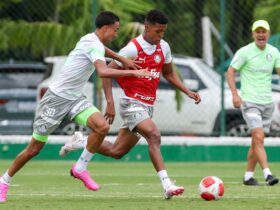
139 95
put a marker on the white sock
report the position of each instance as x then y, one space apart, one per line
83 161
85 142
266 172
6 179
165 181
248 175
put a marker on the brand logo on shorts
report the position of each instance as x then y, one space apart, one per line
269 57
50 112
42 128
157 58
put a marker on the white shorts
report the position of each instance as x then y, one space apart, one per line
257 115
133 112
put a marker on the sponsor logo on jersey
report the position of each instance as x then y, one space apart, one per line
155 74
146 98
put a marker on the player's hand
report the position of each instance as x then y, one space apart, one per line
236 100
110 112
195 96
130 64
142 73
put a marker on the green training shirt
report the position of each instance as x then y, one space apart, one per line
256 67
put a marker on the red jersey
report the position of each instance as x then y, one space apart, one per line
144 89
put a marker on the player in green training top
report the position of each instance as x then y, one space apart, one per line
65 99
255 62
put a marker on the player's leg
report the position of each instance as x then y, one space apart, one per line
92 118
251 115
257 146
126 139
259 151
117 149
251 164
267 118
258 118
44 123
22 158
150 132
32 149
252 160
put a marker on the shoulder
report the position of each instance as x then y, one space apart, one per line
243 51
247 47
164 44
272 49
166 51
91 41
165 48
129 51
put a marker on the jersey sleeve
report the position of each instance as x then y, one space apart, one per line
96 52
238 60
166 51
129 51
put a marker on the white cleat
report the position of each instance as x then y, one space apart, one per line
76 142
173 190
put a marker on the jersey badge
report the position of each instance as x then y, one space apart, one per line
157 58
269 57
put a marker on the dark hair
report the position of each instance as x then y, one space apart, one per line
106 18
156 16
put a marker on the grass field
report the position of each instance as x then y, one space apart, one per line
46 185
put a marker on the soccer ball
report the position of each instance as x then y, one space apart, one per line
211 188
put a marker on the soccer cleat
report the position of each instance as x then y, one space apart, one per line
85 178
3 192
172 190
271 180
75 143
251 182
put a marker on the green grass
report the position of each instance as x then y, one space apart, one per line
46 185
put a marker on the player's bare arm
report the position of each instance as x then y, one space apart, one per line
171 76
278 71
105 72
236 100
110 112
126 62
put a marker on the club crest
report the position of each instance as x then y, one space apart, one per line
157 58
269 57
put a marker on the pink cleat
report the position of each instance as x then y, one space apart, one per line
3 192
173 190
85 178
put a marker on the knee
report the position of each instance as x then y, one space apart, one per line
258 139
154 138
102 128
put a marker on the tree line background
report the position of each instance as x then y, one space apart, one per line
33 29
